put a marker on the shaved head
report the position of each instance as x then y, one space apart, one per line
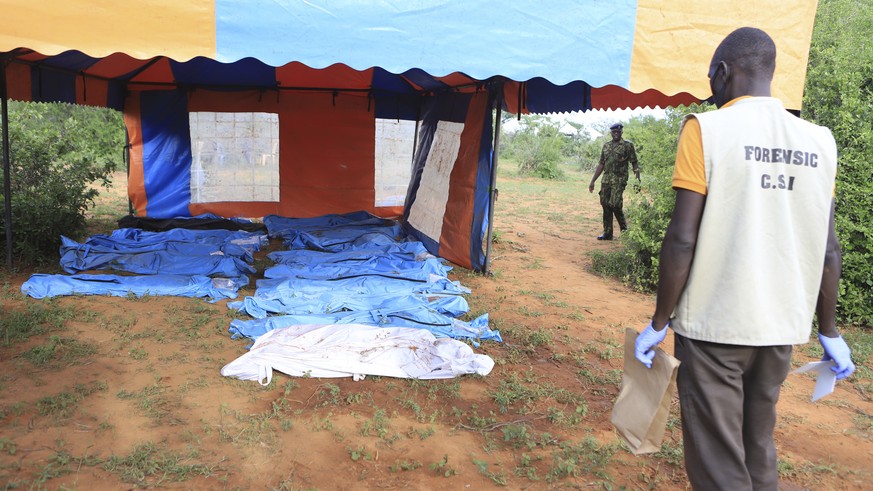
749 49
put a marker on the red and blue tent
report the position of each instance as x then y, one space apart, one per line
342 91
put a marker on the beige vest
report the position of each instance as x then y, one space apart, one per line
760 251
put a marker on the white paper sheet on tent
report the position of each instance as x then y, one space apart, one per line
356 350
426 212
393 160
234 156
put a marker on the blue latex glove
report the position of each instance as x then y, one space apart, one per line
647 340
836 349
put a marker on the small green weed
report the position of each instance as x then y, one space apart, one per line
151 465
64 404
359 453
38 318
8 446
405 465
155 403
498 479
63 350
585 457
442 467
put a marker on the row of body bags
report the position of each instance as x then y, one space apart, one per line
352 296
338 274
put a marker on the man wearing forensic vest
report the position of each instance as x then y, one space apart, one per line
749 257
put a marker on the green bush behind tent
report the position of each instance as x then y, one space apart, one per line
58 152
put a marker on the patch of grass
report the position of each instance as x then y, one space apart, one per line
138 353
133 297
671 452
16 408
539 337
329 394
154 402
249 429
512 391
864 424
378 426
412 405
8 446
59 464
9 292
497 478
442 467
585 457
17 325
444 390
425 433
151 465
474 421
523 310
558 416
525 468
806 471
518 436
359 453
599 379
64 404
405 465
64 351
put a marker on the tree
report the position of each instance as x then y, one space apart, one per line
536 146
57 151
839 95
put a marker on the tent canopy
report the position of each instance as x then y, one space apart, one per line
295 108
630 53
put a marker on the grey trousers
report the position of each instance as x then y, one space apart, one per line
727 396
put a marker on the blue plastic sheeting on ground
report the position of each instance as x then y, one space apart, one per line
356 269
46 285
307 259
344 239
335 233
364 285
277 225
171 257
128 239
332 302
442 326
384 267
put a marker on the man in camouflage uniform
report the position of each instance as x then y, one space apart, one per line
614 157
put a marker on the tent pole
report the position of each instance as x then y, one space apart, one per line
415 137
126 157
492 186
7 181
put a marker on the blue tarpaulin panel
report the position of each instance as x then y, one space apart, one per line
44 285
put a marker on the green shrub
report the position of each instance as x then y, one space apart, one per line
537 147
839 95
56 152
648 210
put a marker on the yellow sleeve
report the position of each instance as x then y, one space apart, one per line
689 172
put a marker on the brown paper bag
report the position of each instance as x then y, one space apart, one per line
641 410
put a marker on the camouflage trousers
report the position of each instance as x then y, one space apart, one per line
612 199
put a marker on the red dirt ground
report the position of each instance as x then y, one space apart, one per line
154 380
